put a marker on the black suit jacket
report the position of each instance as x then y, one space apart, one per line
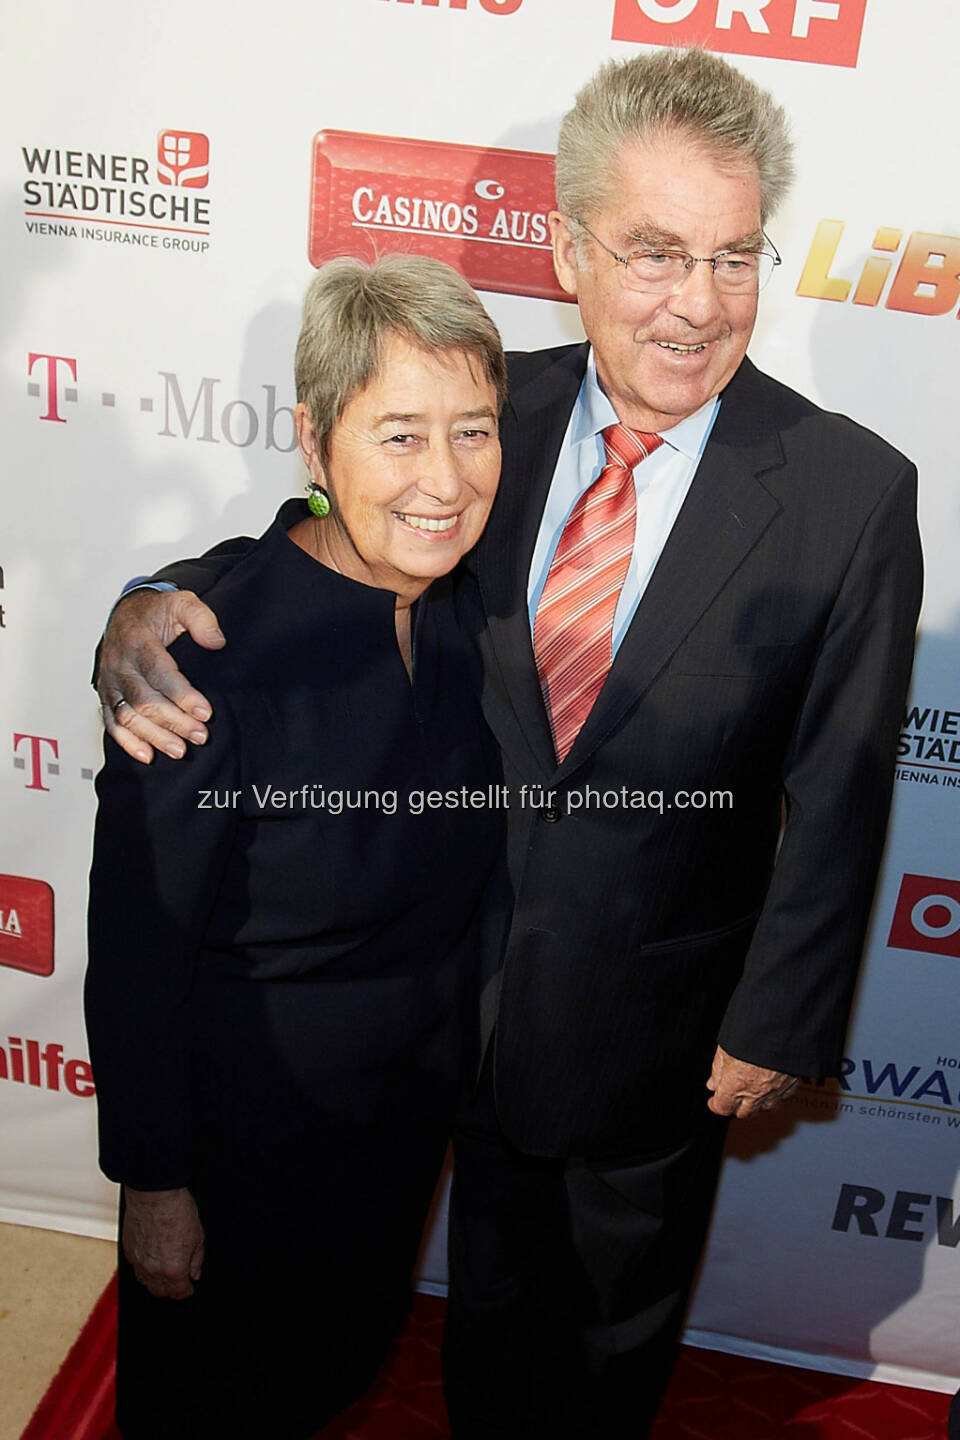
769 658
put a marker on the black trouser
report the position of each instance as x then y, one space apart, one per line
312 1178
568 1282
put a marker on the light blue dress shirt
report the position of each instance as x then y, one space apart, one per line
662 482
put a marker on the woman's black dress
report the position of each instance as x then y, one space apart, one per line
281 966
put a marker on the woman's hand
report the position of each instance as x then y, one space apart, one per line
163 1240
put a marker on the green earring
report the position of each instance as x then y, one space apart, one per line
318 501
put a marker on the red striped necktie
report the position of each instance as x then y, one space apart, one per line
573 624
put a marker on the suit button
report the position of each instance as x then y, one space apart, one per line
551 814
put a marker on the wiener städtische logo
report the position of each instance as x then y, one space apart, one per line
928 750
821 32
484 211
183 159
26 925
927 916
147 200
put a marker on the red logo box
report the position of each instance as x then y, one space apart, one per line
927 916
26 925
183 159
821 32
483 211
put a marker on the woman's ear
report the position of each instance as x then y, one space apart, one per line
308 442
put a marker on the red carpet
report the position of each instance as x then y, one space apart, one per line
711 1397
79 1402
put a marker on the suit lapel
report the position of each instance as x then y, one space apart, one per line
725 512
531 436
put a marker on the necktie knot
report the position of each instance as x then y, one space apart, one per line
573 625
627 447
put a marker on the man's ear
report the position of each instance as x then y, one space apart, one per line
308 442
564 251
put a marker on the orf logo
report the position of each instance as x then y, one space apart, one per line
927 916
823 32
183 159
26 925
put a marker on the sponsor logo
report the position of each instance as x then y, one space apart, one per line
29 1062
865 1079
47 385
909 1216
928 750
492 7
119 198
38 756
31 753
919 1094
483 211
821 32
26 925
183 158
926 280
927 916
238 422
195 409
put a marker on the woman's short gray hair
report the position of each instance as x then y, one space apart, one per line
687 92
351 308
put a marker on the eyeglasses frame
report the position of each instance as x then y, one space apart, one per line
691 260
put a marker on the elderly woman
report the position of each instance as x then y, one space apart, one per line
280 925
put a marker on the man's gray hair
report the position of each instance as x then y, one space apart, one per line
690 93
350 310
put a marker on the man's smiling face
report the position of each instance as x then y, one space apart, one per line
660 357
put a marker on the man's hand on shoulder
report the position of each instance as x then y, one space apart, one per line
741 1089
146 700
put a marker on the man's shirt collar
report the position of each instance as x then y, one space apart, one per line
594 413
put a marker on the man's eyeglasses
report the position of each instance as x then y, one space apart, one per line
662 272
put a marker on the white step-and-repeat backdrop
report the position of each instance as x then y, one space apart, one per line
168 177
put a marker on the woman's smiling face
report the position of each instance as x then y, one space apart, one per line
411 468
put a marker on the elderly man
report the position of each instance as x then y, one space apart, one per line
696 602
